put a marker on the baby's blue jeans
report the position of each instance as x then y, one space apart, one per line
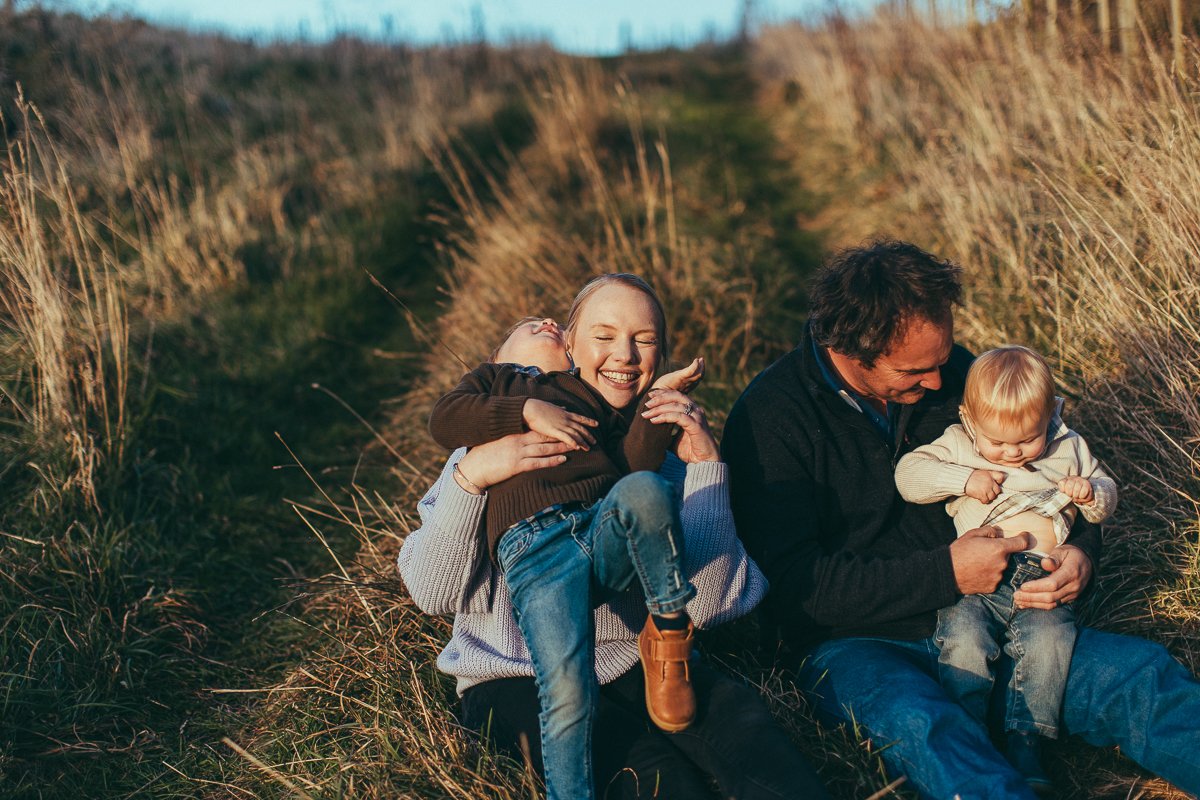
971 632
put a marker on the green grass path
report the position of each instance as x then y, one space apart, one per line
200 528
721 149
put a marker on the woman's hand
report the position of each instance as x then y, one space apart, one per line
489 464
697 443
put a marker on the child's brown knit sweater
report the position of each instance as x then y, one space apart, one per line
488 404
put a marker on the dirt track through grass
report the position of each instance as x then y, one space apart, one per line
723 157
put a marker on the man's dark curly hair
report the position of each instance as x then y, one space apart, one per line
863 297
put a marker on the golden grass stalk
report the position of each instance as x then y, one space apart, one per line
64 303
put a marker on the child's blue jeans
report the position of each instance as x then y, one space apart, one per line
1038 641
559 564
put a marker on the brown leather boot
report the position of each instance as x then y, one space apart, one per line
669 696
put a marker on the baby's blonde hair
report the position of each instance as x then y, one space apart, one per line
1012 385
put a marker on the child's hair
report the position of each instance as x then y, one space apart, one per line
512 328
1012 385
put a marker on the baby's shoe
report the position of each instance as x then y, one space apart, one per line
670 700
1023 751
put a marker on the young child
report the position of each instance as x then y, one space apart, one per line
559 531
1012 463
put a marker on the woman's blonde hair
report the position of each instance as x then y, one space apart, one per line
633 282
1012 385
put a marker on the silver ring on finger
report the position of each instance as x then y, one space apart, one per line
690 408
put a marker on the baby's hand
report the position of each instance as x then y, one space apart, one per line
1077 488
984 484
558 423
682 380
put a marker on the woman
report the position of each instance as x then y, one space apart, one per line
616 335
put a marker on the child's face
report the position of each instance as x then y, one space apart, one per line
539 343
1009 445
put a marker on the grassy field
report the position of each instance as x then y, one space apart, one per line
234 277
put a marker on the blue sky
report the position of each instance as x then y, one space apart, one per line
576 25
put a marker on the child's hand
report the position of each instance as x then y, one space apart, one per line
558 423
682 380
984 484
1077 488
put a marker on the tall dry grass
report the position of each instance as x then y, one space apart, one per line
594 193
146 169
1065 180
147 177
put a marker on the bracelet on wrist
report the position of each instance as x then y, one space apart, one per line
470 484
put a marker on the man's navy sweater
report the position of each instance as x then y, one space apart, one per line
815 501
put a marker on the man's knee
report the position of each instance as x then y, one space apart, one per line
1119 682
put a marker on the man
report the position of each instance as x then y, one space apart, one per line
857 575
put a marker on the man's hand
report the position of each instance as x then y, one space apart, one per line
985 484
682 380
1078 488
558 423
491 463
980 557
1070 570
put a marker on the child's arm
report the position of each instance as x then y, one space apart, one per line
489 403
931 473
1093 491
470 414
645 444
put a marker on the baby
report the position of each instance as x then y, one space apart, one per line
1013 464
559 531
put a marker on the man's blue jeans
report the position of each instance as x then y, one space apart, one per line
1039 643
558 565
1121 691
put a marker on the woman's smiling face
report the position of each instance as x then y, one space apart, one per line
615 342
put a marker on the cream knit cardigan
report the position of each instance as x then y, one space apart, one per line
939 471
445 566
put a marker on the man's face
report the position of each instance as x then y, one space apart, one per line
910 367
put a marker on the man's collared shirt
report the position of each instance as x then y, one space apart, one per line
885 424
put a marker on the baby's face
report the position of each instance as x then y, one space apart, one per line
536 344
1009 445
